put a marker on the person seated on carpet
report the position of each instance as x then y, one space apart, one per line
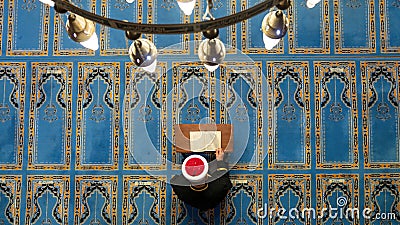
202 185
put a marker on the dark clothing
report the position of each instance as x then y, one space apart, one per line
208 197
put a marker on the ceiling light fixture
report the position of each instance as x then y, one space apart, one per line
211 50
82 30
274 26
170 28
142 52
79 28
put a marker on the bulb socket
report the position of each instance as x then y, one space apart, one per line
132 35
211 34
59 9
283 4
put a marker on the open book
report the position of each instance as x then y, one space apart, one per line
201 141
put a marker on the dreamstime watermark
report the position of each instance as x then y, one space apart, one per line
340 212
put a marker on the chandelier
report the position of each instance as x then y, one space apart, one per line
80 27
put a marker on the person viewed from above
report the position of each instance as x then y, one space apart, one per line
202 185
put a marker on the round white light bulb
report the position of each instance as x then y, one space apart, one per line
151 68
311 3
92 43
211 68
187 7
270 43
47 2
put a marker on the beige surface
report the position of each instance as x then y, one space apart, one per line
182 135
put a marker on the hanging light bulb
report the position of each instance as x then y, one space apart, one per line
47 2
211 50
130 1
312 3
274 26
186 6
142 52
83 31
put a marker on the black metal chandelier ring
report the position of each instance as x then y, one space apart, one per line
169 28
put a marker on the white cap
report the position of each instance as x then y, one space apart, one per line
195 168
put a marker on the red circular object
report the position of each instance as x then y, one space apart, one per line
194 166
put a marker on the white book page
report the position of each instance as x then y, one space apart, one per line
201 141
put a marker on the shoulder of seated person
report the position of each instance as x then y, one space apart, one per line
222 164
178 177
